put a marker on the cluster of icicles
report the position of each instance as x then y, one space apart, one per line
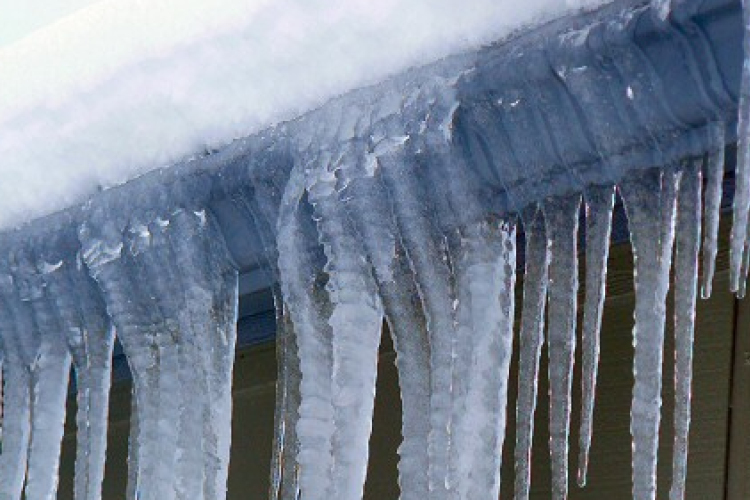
380 224
161 280
448 298
365 233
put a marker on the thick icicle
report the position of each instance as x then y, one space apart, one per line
171 292
433 274
561 215
49 380
90 339
714 174
368 206
356 321
409 334
531 338
206 350
301 276
112 261
742 170
486 266
686 282
16 394
599 206
16 424
650 204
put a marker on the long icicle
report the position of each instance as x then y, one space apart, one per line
650 204
281 408
429 264
49 391
209 282
284 485
16 424
16 394
90 340
309 311
742 171
531 338
48 363
356 321
491 273
369 207
714 174
561 215
599 206
103 250
686 282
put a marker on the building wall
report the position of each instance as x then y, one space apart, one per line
610 462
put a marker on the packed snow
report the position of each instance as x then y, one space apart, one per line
123 87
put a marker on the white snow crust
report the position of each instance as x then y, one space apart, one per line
122 87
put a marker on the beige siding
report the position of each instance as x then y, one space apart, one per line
610 465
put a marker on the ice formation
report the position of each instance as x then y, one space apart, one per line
412 203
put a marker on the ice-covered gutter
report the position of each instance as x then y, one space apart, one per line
400 200
608 118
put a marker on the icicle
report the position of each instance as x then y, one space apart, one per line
283 478
355 321
49 370
433 275
172 293
287 443
561 216
309 309
131 489
714 173
281 410
90 339
16 423
489 263
50 385
206 348
20 344
368 205
599 206
531 340
409 333
742 171
686 282
153 269
124 283
650 203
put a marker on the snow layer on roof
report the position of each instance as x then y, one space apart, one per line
125 86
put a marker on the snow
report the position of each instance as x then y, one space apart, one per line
123 87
